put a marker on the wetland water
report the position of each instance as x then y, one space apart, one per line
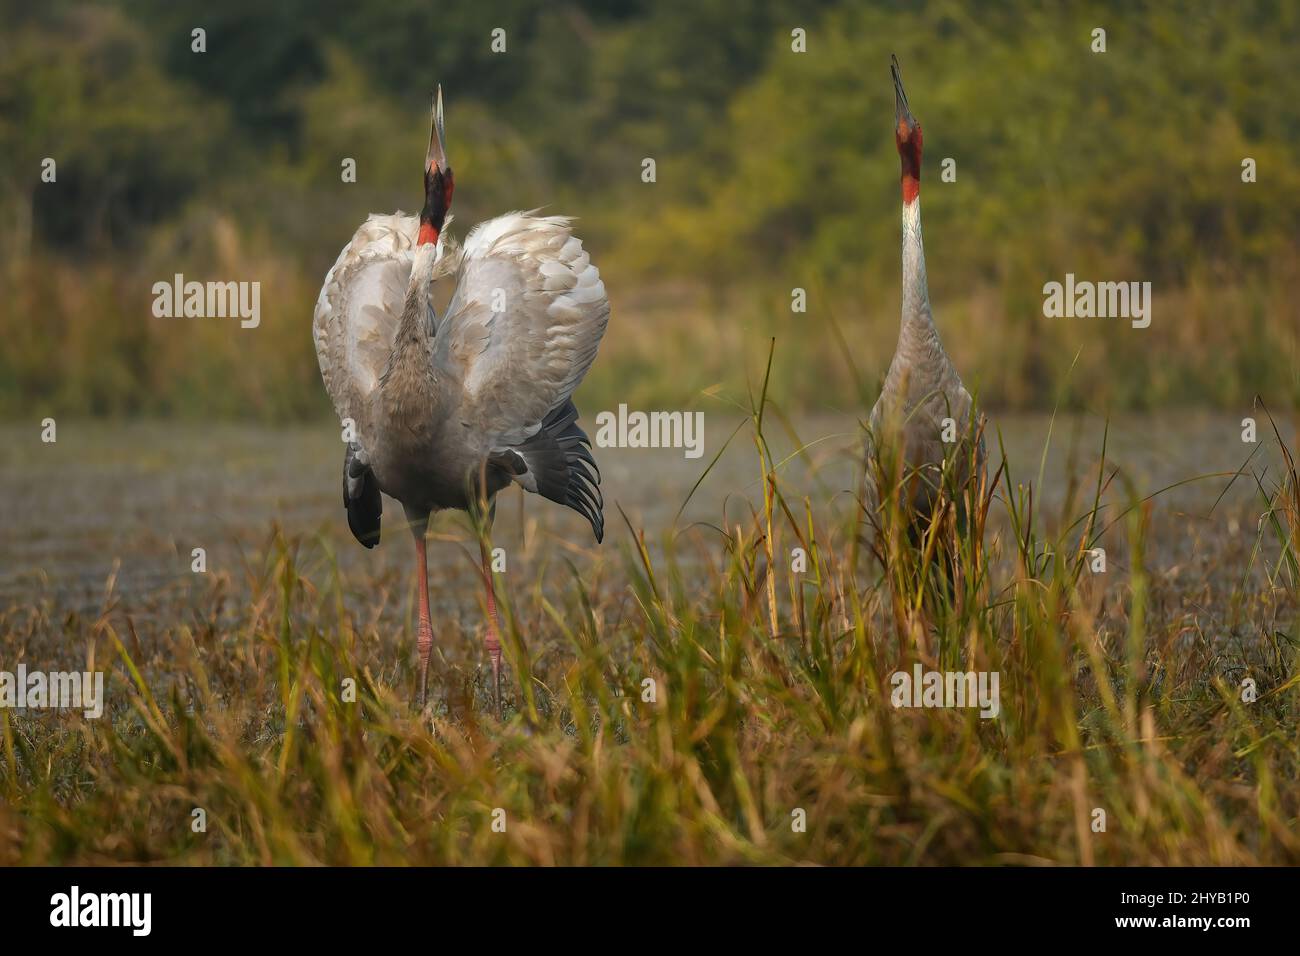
130 501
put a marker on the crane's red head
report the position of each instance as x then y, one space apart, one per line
907 136
438 181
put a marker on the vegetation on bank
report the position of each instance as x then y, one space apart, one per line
775 170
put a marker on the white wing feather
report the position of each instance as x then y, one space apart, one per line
359 307
523 324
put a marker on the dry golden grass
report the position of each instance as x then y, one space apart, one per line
772 695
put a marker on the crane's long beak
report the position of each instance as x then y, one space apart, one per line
437 158
901 112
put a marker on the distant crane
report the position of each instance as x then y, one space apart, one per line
446 411
922 388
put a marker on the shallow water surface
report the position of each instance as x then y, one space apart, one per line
131 501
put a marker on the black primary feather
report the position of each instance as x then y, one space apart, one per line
559 460
361 496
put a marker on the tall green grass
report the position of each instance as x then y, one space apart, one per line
771 695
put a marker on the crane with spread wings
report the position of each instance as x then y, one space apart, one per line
445 411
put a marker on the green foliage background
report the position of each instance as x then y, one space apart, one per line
775 170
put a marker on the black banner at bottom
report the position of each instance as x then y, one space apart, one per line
336 906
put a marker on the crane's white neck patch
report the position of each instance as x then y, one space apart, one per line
912 214
916 294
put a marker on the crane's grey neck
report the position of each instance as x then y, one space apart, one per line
418 321
916 297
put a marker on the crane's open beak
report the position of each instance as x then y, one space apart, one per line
438 180
437 158
901 112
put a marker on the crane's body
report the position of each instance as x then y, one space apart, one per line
445 411
922 392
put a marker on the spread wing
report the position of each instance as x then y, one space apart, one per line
359 307
523 324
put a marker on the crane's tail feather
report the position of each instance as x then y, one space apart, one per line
556 463
361 496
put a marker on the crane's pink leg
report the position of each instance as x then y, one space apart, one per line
493 639
424 640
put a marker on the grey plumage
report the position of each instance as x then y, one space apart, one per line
437 402
922 387
445 411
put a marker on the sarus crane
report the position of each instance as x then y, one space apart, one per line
924 413
445 411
